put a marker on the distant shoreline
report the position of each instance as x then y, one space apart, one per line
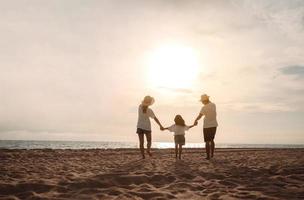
194 150
33 140
35 144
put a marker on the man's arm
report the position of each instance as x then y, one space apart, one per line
198 118
195 123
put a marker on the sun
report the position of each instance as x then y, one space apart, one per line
172 66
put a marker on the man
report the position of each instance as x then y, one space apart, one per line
210 124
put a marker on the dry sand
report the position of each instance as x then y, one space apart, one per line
120 174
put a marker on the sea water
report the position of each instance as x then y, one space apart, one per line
32 144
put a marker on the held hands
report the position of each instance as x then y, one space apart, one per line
195 123
161 128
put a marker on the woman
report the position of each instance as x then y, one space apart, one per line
144 124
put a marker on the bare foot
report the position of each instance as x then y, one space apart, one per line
150 154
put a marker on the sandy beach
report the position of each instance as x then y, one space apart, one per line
121 174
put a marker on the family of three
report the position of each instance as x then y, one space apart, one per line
179 127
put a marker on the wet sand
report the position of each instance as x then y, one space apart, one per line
121 174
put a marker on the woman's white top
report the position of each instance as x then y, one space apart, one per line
144 118
209 111
178 130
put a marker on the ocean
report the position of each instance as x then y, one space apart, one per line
31 144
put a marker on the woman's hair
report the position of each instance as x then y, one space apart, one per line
144 109
179 120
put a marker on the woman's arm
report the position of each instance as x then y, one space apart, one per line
158 122
167 128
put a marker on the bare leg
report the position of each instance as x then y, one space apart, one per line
212 148
208 150
180 149
141 145
149 138
176 150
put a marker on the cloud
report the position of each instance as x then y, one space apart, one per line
83 73
256 107
297 70
179 90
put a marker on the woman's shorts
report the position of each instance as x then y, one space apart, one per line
209 134
142 131
179 139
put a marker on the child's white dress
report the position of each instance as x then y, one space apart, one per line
179 133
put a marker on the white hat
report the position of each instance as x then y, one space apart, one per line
204 97
148 101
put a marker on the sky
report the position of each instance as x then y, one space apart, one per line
77 70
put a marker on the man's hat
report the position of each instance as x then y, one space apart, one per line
204 97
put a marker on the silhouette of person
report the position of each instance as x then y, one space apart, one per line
179 129
144 124
210 124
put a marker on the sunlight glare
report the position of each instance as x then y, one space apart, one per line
173 66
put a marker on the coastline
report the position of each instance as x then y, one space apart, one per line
53 144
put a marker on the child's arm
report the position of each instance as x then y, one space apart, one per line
167 128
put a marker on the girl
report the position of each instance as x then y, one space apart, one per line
179 129
144 124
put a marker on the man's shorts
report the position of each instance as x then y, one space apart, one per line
209 134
